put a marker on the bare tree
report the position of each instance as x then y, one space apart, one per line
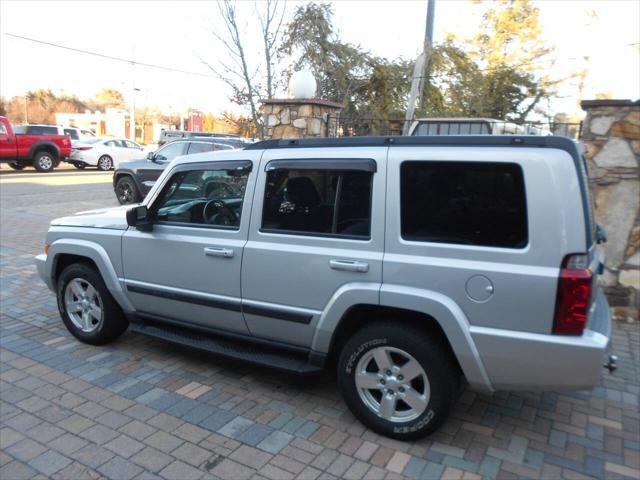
270 25
244 82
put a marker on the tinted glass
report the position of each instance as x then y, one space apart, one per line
200 147
204 197
72 133
130 144
113 143
466 203
170 152
452 128
40 130
327 202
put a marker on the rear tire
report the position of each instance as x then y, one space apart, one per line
410 396
44 161
17 166
105 163
126 191
87 308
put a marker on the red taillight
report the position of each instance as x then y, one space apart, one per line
574 296
84 148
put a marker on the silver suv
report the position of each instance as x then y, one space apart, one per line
408 263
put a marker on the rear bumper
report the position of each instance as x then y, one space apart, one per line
530 361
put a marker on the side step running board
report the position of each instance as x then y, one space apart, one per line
243 351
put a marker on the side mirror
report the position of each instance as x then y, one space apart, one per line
139 217
601 234
150 156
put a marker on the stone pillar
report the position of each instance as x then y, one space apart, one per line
300 118
611 133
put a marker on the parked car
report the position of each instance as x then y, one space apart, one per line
167 136
104 153
408 262
133 180
40 146
471 126
78 134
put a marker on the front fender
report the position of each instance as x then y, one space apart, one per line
90 250
451 319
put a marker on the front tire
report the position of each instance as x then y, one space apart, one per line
105 163
126 191
44 161
87 308
17 166
398 380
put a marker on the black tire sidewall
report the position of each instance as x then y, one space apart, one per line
435 360
110 163
132 186
36 161
16 166
113 321
79 166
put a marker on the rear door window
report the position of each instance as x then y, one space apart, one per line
464 203
318 202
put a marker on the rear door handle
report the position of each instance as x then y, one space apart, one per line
349 265
218 252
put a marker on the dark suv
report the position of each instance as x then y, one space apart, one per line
133 180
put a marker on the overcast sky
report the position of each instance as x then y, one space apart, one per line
176 34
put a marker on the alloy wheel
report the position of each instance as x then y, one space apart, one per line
83 305
392 384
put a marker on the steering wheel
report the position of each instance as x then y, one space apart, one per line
216 212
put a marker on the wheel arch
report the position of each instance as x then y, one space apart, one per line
49 147
126 173
65 252
428 310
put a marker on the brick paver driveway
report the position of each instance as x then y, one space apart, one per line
143 409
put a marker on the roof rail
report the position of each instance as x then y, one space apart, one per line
562 143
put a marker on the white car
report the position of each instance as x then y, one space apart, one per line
104 153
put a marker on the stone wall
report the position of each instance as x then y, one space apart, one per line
300 118
611 133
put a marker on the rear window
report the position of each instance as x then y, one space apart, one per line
465 203
41 130
452 128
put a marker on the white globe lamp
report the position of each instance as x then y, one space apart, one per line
302 84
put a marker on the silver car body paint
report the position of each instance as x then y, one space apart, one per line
503 341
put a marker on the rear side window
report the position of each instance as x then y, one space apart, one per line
465 203
72 133
318 202
199 147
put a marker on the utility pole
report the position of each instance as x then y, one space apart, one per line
132 108
416 95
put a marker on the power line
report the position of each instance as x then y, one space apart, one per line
109 57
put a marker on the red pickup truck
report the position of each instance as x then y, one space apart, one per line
42 146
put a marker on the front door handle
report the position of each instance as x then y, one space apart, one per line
349 265
218 252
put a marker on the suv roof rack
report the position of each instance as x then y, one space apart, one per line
562 143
